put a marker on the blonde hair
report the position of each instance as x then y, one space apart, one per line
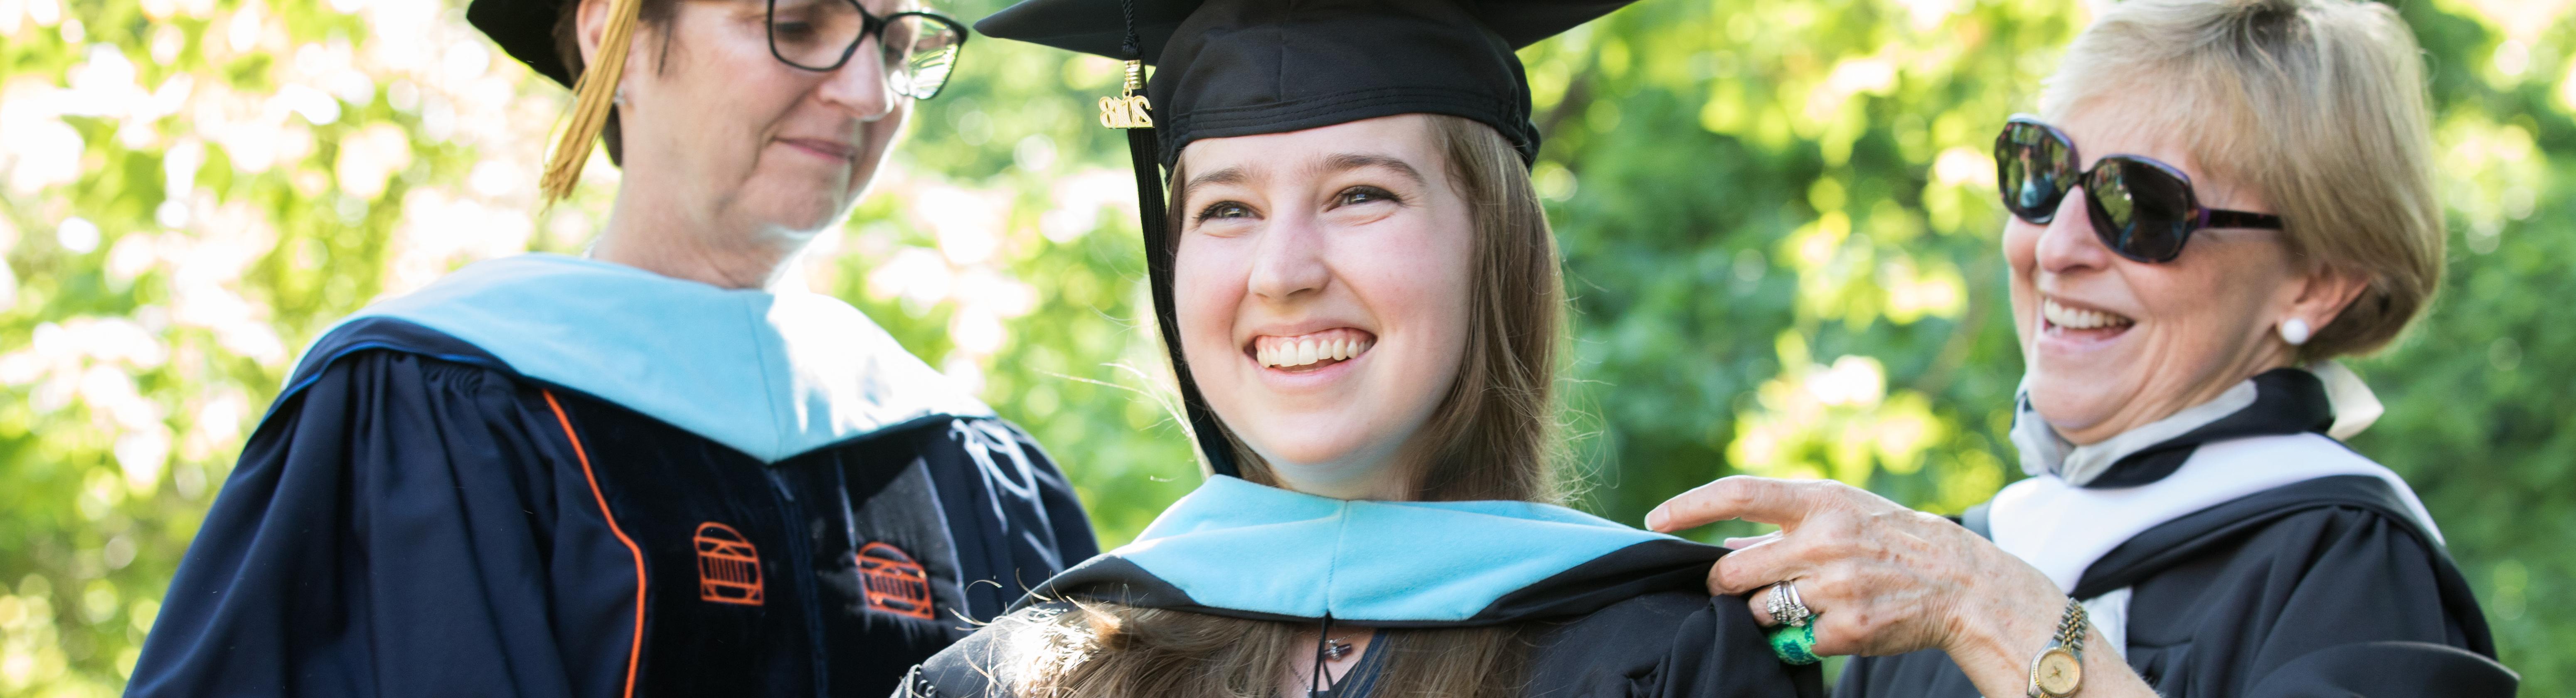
2319 105
1495 439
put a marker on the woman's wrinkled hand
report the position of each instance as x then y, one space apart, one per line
1881 578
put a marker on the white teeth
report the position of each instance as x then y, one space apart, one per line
1286 353
2078 319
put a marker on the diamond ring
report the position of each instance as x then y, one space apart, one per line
1786 607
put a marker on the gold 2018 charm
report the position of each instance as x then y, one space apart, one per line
1128 109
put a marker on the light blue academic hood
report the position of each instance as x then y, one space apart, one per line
1239 548
770 374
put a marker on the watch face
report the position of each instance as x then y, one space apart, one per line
2057 672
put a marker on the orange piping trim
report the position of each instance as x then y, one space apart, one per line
634 655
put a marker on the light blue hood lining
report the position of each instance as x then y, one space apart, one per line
770 374
1236 545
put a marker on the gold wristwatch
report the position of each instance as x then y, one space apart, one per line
2059 669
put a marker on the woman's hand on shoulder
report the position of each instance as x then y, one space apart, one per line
1881 578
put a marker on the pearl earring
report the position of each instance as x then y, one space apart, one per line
2294 331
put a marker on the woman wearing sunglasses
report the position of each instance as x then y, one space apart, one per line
2218 199
660 468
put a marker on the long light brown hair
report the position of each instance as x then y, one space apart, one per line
1493 437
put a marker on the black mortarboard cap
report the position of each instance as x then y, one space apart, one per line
1248 67
525 29
1226 68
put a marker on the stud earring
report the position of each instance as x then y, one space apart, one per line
2294 331
620 98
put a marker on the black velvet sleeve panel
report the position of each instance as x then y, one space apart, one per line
1009 505
395 528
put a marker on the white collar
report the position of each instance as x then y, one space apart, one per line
2062 529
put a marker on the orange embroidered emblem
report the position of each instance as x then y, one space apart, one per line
894 582
728 566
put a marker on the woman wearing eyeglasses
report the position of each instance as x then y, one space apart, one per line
2218 199
659 468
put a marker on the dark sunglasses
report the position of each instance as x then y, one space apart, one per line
920 48
2142 209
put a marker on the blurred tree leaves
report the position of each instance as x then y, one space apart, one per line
1777 221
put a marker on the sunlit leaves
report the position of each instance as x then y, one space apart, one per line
1778 221
2492 175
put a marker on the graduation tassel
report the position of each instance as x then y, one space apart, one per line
592 97
1131 111
1142 151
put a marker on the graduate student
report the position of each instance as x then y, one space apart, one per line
2217 198
660 469
1360 289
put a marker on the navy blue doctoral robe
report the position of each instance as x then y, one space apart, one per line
546 476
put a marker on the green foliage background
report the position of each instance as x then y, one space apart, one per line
1776 218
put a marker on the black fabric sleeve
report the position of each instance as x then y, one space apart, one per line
2388 670
1667 645
2273 599
2372 606
975 667
1918 674
393 529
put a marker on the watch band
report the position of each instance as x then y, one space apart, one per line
2071 627
2058 670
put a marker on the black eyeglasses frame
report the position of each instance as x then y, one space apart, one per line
870 25
2119 241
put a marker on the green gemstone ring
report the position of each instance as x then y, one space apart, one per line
1796 645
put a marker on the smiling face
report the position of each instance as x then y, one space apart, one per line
1323 283
2113 344
721 135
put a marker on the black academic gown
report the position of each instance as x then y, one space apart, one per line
423 514
1669 644
1611 612
2325 587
